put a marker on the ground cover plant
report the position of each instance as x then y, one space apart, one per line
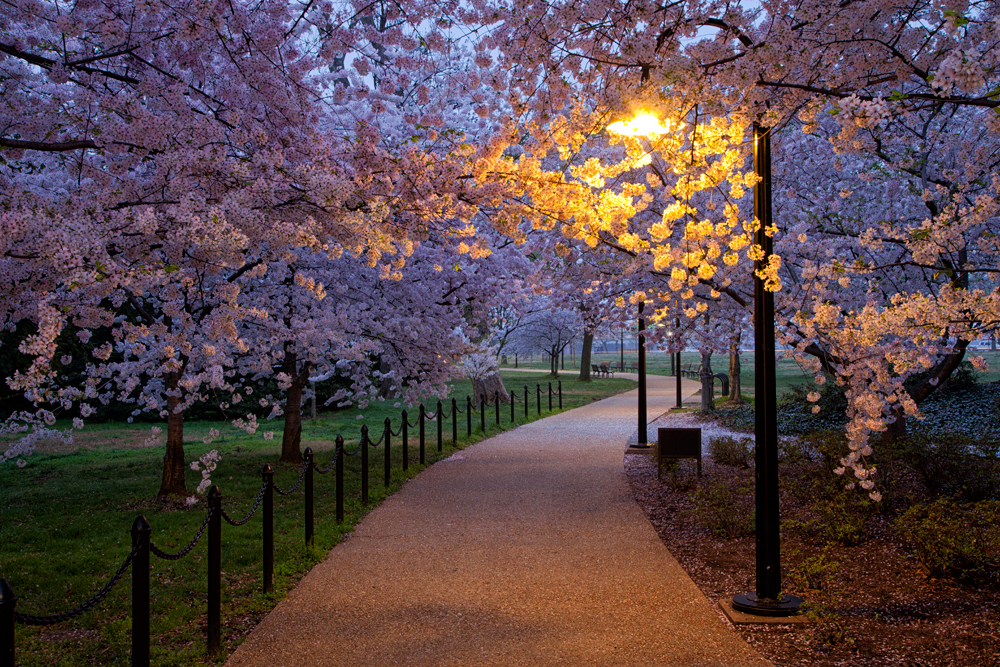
65 520
909 580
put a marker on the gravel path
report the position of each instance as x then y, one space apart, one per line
524 549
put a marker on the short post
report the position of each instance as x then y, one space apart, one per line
388 460
339 462
7 603
560 394
214 571
423 418
468 414
267 473
364 464
308 456
406 441
454 420
482 413
538 395
496 404
550 396
140 592
525 401
512 394
440 421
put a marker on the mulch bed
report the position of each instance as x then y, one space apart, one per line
872 604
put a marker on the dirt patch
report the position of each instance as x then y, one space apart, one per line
872 604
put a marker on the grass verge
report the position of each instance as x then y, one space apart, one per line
65 520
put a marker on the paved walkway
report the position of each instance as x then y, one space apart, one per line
525 549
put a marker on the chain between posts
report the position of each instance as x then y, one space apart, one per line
253 510
186 550
292 490
327 469
93 601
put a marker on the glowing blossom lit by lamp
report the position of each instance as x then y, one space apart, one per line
644 124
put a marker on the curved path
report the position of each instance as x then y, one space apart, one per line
524 549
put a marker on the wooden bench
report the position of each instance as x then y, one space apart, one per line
607 370
690 370
598 371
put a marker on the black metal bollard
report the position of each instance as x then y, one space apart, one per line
454 420
7 603
215 571
308 456
440 420
423 418
388 461
406 441
364 465
482 413
512 407
339 460
468 413
525 401
140 592
560 394
550 396
267 473
538 395
496 404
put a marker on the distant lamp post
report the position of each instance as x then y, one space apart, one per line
644 124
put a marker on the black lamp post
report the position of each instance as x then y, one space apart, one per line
641 441
677 367
767 600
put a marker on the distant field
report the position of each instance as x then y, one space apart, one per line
787 372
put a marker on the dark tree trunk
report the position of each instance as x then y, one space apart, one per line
554 361
707 382
897 429
488 386
385 384
172 483
735 387
588 344
291 438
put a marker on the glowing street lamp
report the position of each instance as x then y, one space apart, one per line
767 599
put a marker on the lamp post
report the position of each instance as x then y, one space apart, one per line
641 441
678 367
767 599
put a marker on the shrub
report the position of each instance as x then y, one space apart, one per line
726 510
729 451
954 540
950 465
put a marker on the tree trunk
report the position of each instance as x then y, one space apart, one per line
588 344
291 437
554 361
735 388
385 384
172 483
993 342
487 387
707 382
895 430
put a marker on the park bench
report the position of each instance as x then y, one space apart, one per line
691 370
598 371
606 369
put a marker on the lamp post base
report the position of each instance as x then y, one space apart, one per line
749 603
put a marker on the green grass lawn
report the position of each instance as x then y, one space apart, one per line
788 373
65 520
